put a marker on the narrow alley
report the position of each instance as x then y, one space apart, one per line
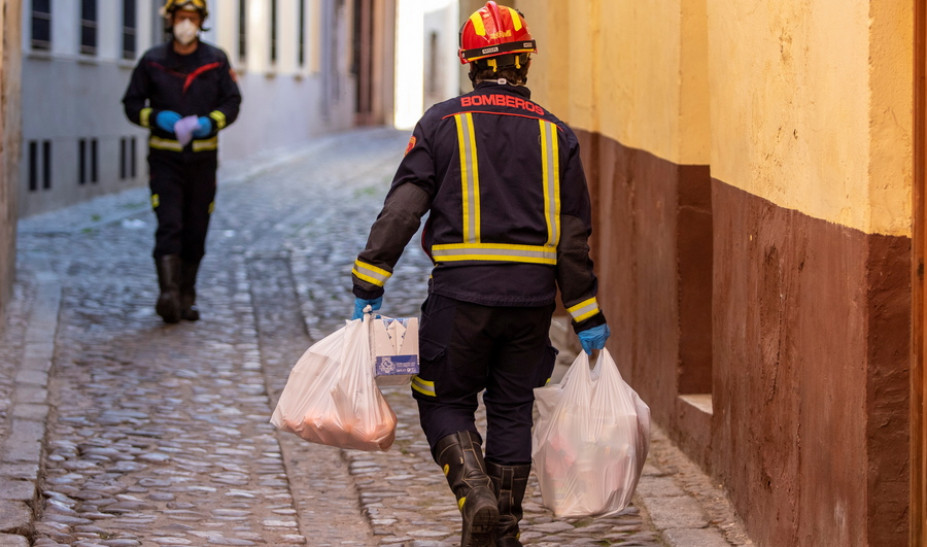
119 430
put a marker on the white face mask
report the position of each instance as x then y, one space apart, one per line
185 32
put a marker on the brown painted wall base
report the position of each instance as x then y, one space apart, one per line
652 245
772 347
811 338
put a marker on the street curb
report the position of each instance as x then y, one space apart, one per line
676 513
22 449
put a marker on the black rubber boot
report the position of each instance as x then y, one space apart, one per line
461 457
509 483
188 309
168 306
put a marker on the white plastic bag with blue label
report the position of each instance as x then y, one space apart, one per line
590 440
331 396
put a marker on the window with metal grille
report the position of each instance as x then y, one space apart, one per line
301 54
87 161
82 162
41 24
123 158
88 27
46 165
273 31
94 163
33 166
128 29
242 30
132 165
40 160
127 158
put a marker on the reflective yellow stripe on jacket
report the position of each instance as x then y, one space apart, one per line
534 254
472 248
550 167
370 273
584 310
219 117
170 144
469 177
144 118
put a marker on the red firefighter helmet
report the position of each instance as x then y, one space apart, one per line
492 31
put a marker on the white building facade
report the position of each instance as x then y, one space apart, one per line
293 58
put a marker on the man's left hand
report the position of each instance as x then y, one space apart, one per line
203 127
594 338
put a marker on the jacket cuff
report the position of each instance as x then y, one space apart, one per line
146 117
219 121
586 324
367 295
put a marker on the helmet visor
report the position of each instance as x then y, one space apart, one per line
524 46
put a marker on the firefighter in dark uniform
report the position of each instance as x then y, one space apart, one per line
185 92
508 223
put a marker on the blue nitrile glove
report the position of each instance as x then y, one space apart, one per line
594 338
204 128
166 120
361 303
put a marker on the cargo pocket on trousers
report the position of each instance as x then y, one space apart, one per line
431 358
546 367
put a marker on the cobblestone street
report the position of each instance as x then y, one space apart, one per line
119 430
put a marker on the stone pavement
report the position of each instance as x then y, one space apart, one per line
118 430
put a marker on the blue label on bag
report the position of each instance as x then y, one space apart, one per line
389 365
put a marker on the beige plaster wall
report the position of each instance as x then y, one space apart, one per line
640 88
891 171
811 106
805 104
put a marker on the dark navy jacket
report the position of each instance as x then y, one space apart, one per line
509 211
199 84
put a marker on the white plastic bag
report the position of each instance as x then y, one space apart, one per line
331 396
590 440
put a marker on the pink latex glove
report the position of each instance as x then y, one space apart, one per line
184 129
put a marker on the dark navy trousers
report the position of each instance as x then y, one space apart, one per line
183 188
467 348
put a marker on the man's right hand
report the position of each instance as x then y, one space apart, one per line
166 119
361 303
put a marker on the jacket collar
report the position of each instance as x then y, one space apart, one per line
506 88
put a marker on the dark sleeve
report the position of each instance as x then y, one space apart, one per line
395 225
135 100
418 165
575 277
408 200
229 100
